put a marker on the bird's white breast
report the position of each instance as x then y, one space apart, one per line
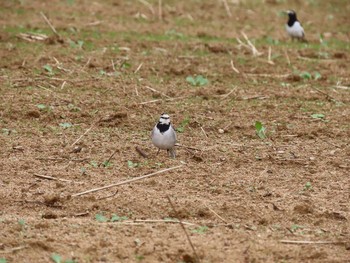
296 30
165 140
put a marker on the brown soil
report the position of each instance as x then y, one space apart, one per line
75 106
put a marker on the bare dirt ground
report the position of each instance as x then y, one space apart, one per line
74 105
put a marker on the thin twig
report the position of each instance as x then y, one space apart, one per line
184 229
163 221
188 147
61 159
160 15
148 5
156 91
228 94
141 152
253 48
218 216
269 58
54 178
302 242
127 181
81 136
50 25
110 157
287 57
205 134
227 8
324 93
108 196
138 68
13 250
234 68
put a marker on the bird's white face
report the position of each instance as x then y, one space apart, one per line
164 119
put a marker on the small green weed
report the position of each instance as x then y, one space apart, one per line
319 116
260 130
48 69
3 260
58 259
94 164
183 124
116 218
131 164
66 125
197 81
307 186
101 218
294 228
200 230
139 257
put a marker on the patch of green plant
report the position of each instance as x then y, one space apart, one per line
260 130
197 81
308 76
126 65
116 218
318 116
73 108
8 131
78 44
200 230
94 164
58 259
48 69
139 257
101 218
307 186
172 33
66 125
131 164
106 164
3 260
183 124
294 228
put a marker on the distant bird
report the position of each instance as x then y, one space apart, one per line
294 28
164 136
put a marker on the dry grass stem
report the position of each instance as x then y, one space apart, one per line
287 57
184 229
141 152
227 8
86 132
252 47
307 242
54 178
216 214
269 58
138 68
234 68
127 181
50 25
13 250
205 134
163 221
160 11
148 5
156 91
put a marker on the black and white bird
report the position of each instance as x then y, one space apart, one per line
294 28
164 136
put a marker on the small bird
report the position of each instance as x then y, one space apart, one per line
294 28
164 136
